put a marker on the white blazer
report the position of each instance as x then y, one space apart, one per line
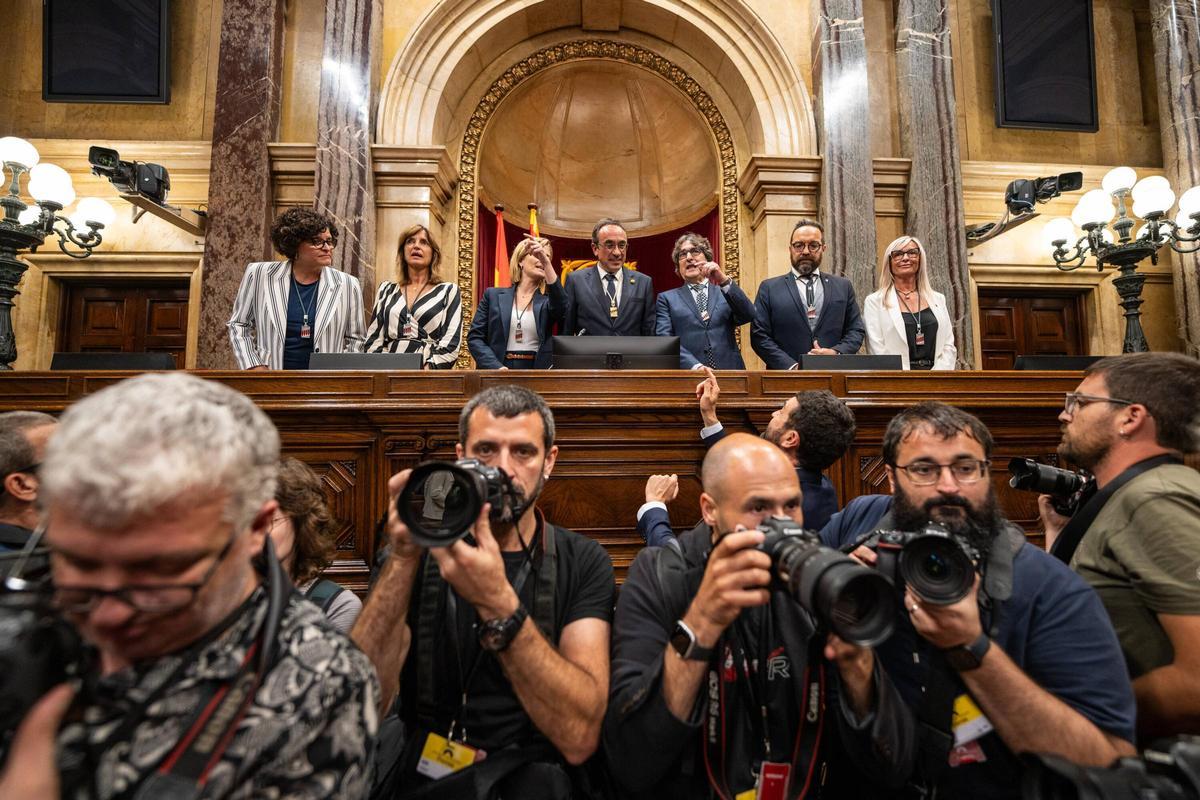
259 322
886 334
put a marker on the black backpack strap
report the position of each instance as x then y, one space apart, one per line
546 586
323 592
430 622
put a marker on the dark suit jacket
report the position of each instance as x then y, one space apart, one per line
781 334
587 306
710 342
488 338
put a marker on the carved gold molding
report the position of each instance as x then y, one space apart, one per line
585 50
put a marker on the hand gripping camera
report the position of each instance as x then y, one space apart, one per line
442 500
856 603
938 567
1068 490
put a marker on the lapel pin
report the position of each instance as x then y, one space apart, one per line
631 281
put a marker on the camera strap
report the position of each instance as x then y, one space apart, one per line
1072 533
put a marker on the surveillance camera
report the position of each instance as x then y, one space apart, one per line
1021 194
130 177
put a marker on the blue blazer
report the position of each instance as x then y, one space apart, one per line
488 338
676 314
781 333
587 305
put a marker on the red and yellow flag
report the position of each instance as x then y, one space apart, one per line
533 228
502 276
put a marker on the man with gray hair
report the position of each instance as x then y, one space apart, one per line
206 680
23 436
509 655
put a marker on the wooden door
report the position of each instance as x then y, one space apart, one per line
1041 323
125 317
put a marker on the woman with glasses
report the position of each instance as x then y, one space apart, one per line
303 531
905 316
513 324
287 310
420 313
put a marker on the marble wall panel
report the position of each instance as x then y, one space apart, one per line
929 135
847 184
245 121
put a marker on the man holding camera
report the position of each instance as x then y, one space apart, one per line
194 677
720 683
504 687
1026 660
23 437
1137 540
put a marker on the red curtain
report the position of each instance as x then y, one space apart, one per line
652 253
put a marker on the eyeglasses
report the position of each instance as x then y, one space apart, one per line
321 244
1075 400
148 599
688 252
812 247
965 470
900 255
613 246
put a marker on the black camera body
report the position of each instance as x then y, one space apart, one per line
1168 769
1021 194
1068 490
442 500
856 603
130 177
938 567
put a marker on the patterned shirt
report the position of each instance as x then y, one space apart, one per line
308 734
432 327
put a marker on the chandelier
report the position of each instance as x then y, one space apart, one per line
25 226
1113 241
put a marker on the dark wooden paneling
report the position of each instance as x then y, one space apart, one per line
125 317
1013 323
614 430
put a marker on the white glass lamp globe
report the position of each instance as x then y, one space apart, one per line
1152 194
30 216
49 183
1094 207
1118 179
93 209
18 151
1190 202
1059 229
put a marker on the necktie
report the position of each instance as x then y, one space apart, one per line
611 292
700 293
810 296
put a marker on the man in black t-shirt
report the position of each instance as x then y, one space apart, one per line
492 699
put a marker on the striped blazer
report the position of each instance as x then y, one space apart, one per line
438 316
259 321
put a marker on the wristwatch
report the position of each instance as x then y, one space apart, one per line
496 635
967 657
684 642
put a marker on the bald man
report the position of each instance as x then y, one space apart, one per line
727 677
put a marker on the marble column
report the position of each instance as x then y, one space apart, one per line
847 180
245 119
929 137
1176 29
345 187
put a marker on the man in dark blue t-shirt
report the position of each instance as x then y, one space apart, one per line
1027 661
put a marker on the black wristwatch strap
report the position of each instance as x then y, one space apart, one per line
683 640
497 634
968 656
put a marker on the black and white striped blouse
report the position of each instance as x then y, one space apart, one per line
438 314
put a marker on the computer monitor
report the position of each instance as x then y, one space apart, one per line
364 361
1066 363
129 362
616 352
850 362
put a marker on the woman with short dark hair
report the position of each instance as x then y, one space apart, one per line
303 531
287 310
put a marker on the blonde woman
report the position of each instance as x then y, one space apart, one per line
905 316
513 324
420 313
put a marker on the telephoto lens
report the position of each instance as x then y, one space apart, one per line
1041 478
442 500
853 601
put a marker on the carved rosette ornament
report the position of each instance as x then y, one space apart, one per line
554 55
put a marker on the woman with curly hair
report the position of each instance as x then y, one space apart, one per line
287 310
302 532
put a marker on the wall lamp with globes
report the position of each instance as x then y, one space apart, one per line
1112 242
24 227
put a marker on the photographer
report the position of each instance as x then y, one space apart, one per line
720 685
509 635
1026 661
199 676
1137 540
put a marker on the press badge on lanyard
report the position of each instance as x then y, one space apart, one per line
772 783
969 725
441 756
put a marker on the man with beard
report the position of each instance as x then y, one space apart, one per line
805 312
1137 540
509 656
1027 661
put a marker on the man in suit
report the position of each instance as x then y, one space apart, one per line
705 311
805 312
609 300
813 429
23 437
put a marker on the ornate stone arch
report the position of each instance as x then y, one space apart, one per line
587 50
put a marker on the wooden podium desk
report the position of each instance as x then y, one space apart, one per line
614 430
